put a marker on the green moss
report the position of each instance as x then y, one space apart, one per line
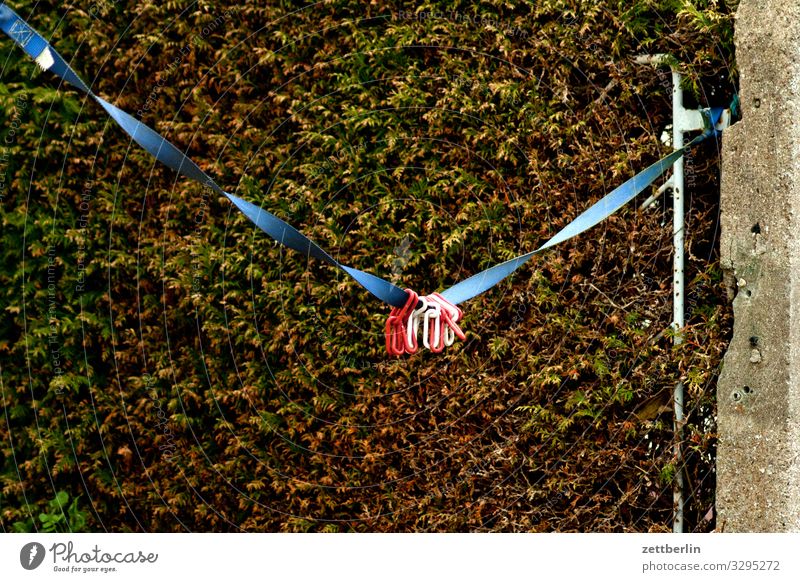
203 378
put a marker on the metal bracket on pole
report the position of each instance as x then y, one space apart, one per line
669 183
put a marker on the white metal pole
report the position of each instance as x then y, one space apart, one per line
678 287
683 120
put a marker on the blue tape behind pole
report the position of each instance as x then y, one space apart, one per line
165 152
598 212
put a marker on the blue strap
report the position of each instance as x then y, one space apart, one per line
598 212
165 152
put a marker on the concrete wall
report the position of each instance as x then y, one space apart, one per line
758 463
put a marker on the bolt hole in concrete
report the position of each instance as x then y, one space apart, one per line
747 390
748 293
736 396
756 228
753 341
756 102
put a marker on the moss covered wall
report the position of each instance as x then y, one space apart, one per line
172 369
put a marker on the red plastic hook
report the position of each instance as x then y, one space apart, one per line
440 328
396 325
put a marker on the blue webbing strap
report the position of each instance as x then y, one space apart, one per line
598 212
165 152
46 56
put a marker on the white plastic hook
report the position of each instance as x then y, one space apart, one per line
454 313
412 331
434 312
